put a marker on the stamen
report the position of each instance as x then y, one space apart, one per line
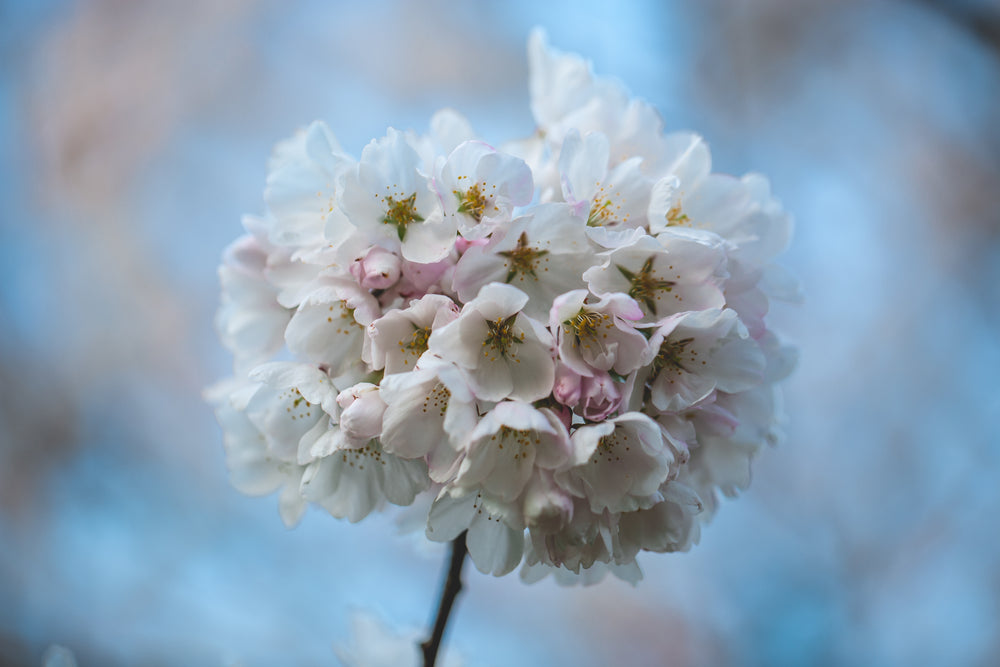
473 202
400 213
670 356
501 336
523 259
644 285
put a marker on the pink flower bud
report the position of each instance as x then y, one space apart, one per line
567 385
421 276
600 395
362 405
378 269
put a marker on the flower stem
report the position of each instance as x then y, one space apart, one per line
450 590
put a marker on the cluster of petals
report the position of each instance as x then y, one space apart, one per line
558 345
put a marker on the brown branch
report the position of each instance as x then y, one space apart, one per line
450 590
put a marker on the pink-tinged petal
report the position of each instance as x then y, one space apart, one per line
567 386
600 397
329 326
378 269
694 354
362 410
463 162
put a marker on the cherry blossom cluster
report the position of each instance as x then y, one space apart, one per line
558 345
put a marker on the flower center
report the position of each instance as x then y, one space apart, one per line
300 407
523 259
358 457
675 218
516 439
473 202
437 400
671 356
643 285
417 344
501 336
585 324
603 211
345 320
611 447
400 213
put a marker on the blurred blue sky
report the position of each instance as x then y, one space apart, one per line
134 136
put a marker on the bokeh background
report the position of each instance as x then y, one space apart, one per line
135 133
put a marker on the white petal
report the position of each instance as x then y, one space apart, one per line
450 515
494 547
450 128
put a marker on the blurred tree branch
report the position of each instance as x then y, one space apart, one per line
981 22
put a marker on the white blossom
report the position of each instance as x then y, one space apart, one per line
251 322
350 483
302 190
398 339
429 413
598 334
506 446
506 353
540 254
665 276
618 464
561 347
391 202
606 198
693 354
480 187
